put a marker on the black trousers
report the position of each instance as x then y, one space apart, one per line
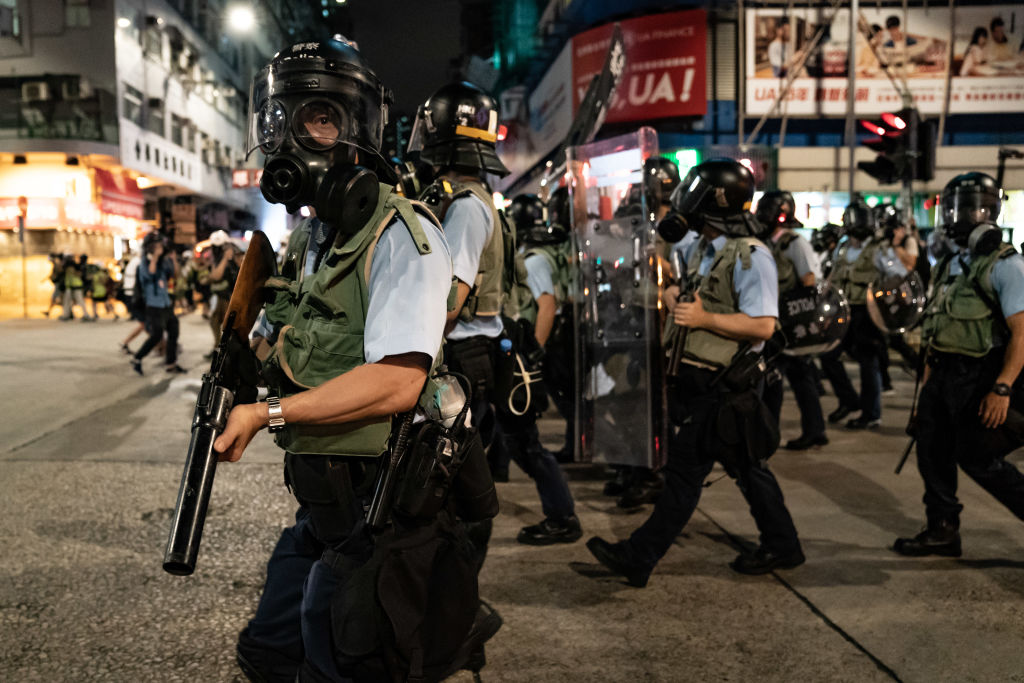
693 449
864 343
159 321
799 372
949 433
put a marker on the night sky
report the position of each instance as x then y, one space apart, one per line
408 43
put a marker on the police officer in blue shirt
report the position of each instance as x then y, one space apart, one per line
348 336
798 266
969 411
714 399
860 259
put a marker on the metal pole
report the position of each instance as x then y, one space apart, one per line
851 60
24 266
741 71
949 75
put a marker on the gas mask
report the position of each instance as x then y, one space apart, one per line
318 113
311 165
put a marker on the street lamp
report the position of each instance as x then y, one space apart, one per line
241 18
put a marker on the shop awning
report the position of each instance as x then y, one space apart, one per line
119 194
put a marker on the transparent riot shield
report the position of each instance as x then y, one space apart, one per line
620 404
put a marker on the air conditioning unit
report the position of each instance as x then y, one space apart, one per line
76 89
35 91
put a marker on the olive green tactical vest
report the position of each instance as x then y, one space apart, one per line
557 259
320 321
959 320
853 278
718 295
485 295
787 271
73 278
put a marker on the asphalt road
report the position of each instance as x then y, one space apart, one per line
91 454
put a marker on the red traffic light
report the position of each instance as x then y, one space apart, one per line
873 127
894 120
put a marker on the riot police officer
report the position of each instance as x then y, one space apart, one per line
860 259
350 332
972 394
797 266
546 261
714 397
456 130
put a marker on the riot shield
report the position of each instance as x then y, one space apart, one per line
896 303
620 404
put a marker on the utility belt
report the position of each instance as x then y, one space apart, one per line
745 373
961 364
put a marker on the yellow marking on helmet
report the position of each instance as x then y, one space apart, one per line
447 186
478 133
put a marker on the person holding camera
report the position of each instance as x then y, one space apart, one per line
157 268
221 279
720 327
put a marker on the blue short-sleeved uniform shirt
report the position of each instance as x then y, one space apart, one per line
803 257
539 277
1007 280
468 225
408 292
757 286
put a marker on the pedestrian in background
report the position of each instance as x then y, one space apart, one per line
156 270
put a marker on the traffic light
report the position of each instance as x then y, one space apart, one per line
905 145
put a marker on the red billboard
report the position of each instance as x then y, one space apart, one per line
665 66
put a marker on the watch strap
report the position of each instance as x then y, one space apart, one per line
276 422
1001 389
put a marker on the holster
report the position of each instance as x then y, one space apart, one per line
473 358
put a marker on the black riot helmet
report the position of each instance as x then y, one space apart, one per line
777 209
318 112
825 238
527 212
967 201
716 193
559 209
859 219
457 128
888 217
661 178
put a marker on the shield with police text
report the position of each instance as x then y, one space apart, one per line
813 319
621 411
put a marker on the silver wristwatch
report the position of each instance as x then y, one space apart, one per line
276 423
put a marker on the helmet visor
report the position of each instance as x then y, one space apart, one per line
966 210
339 110
689 195
418 133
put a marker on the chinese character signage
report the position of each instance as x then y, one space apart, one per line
987 66
665 66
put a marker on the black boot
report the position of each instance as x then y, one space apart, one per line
939 538
551 531
618 558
